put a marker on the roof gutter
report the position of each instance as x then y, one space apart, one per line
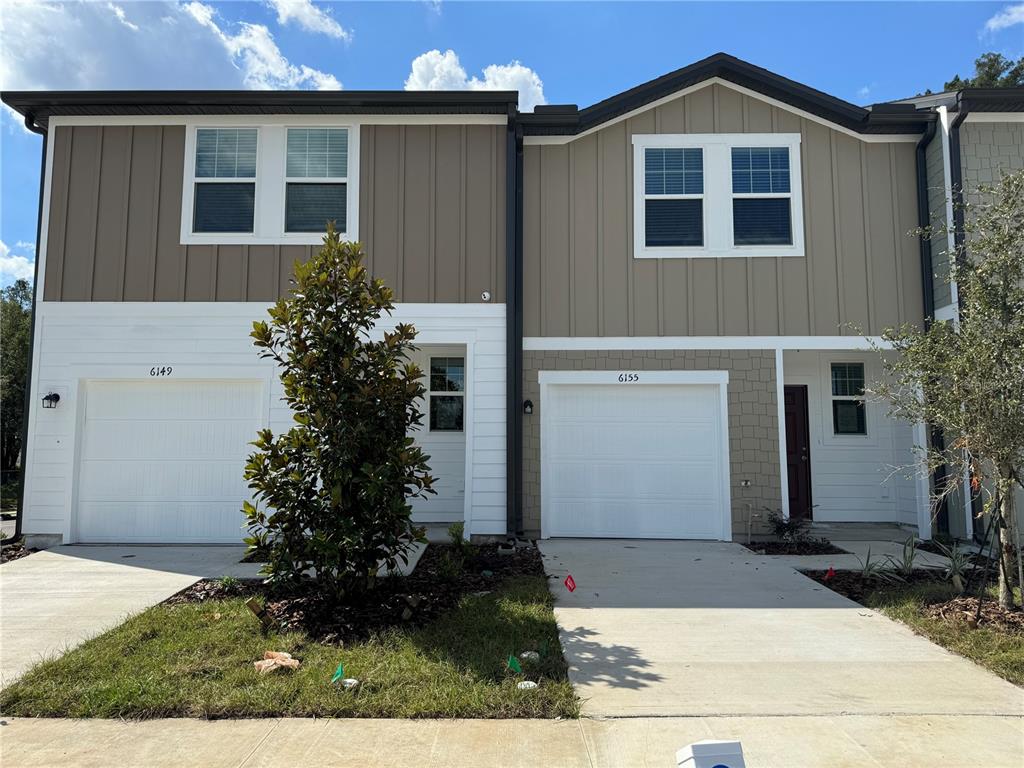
30 124
923 221
514 326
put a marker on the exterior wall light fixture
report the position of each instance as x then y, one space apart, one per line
528 406
50 400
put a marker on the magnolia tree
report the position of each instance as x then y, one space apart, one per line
967 379
332 494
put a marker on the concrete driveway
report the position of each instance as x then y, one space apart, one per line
53 600
678 628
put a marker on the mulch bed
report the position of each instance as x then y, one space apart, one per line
800 547
966 608
14 551
414 600
854 586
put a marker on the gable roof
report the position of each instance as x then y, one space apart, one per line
42 105
568 120
972 100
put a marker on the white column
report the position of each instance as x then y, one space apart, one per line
780 397
924 508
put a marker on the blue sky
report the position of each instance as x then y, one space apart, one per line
551 52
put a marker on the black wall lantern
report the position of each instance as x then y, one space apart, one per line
528 406
51 400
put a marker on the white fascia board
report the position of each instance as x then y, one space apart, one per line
994 117
403 312
288 119
869 138
570 343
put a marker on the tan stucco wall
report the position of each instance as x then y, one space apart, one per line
431 216
861 266
753 421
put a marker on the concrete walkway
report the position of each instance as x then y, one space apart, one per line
53 600
768 742
675 628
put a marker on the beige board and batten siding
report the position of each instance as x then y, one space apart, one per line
860 274
431 215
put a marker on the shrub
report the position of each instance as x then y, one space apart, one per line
787 529
332 494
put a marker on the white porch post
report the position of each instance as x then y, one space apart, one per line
780 397
968 509
924 507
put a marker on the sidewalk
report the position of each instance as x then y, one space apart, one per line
768 742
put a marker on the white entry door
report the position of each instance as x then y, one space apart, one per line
162 461
634 460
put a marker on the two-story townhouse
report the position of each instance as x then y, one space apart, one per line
979 134
171 221
694 273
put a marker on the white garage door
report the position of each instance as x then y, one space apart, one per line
162 461
634 461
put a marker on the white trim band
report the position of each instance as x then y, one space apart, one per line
570 343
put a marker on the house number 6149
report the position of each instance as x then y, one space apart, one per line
160 370
629 378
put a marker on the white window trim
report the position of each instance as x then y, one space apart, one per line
431 392
718 194
832 397
269 213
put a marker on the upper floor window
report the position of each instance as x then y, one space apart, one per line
316 179
225 187
701 195
269 183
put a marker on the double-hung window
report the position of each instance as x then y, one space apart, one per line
447 393
316 179
225 180
715 195
848 416
269 182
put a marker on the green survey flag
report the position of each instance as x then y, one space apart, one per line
513 664
338 673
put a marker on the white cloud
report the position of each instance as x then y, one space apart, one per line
21 245
87 45
436 71
1010 16
14 266
119 13
309 17
865 90
253 49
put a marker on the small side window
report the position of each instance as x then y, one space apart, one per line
848 410
447 394
225 186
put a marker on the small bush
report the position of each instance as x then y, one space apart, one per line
788 529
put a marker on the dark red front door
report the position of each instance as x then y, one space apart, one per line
798 453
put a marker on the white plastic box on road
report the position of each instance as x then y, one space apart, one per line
711 754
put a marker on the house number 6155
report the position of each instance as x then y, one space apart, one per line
629 378
160 370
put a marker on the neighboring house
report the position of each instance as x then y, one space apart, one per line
692 271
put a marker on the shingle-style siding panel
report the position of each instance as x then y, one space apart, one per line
935 168
753 418
432 218
860 274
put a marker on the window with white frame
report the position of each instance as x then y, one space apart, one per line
225 180
447 393
848 415
700 195
316 179
269 182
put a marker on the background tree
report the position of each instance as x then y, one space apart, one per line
968 381
991 70
15 334
332 494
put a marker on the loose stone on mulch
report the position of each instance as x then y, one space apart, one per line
413 600
14 550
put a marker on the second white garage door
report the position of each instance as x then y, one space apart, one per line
634 460
162 461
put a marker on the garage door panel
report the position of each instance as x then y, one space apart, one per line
633 460
162 461
161 439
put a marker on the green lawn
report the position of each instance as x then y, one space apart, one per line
1001 652
185 661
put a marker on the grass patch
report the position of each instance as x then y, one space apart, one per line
1000 651
196 660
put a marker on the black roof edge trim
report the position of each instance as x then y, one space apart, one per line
743 74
